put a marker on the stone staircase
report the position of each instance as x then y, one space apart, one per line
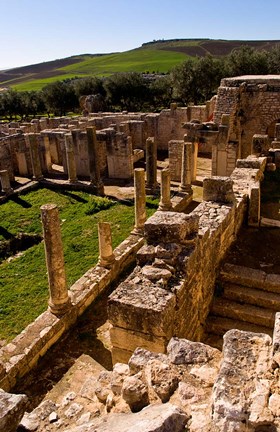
245 299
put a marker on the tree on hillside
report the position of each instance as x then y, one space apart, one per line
12 104
274 60
246 61
126 91
161 93
89 86
208 73
196 81
60 97
182 77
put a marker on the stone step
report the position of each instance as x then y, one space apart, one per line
250 277
243 312
252 296
219 326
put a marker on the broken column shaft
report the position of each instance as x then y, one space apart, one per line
186 171
59 301
106 254
5 182
165 202
139 201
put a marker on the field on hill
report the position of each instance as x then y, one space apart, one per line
157 56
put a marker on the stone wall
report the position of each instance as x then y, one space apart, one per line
170 292
256 103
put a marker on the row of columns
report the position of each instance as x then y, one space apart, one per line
94 165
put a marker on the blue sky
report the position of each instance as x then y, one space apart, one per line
32 31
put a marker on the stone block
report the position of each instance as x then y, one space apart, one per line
170 227
12 408
260 144
142 306
219 189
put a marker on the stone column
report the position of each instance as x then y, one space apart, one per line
70 159
59 301
186 171
47 152
277 132
194 160
94 168
5 182
165 202
254 210
139 201
151 165
106 254
35 157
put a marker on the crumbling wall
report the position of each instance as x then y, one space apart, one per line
170 292
255 101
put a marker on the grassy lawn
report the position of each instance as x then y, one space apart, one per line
23 281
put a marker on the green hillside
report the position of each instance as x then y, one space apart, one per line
156 56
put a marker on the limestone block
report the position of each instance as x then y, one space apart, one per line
254 205
142 306
218 189
183 351
240 392
170 227
12 408
135 393
154 418
260 144
163 378
141 357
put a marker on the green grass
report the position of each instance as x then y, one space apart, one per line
23 281
38 84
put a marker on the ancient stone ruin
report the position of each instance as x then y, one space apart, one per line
167 317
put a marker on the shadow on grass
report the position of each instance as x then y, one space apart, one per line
21 202
5 233
73 196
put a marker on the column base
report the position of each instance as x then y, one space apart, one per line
187 189
165 207
59 309
107 262
138 231
8 191
98 189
